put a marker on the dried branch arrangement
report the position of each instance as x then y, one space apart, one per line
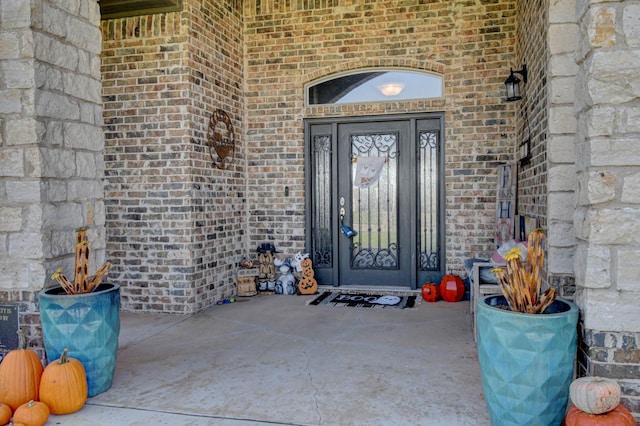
82 282
521 282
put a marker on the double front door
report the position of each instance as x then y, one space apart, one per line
374 200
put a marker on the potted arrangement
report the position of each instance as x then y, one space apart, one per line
527 343
83 316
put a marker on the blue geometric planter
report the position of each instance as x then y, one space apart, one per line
526 361
86 324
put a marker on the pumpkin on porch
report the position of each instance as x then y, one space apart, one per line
32 413
430 292
20 373
452 288
595 395
63 386
619 416
5 414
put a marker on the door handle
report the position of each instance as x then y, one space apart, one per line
345 229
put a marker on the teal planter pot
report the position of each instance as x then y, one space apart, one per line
86 324
526 361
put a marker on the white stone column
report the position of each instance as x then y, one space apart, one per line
51 143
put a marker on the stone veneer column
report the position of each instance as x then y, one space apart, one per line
51 142
607 218
561 182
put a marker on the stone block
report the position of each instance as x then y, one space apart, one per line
604 309
560 234
62 216
560 260
562 178
86 165
11 219
11 163
613 78
83 137
601 26
58 163
83 87
563 90
9 45
562 11
25 245
562 120
631 25
32 218
611 226
11 101
563 65
561 149
629 120
56 52
614 152
593 264
22 131
562 38
601 187
631 189
599 121
23 191
54 105
560 206
628 272
16 14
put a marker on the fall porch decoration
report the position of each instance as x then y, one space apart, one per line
82 282
63 386
521 282
595 395
32 413
20 373
619 416
5 414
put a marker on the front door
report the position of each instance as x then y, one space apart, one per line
374 200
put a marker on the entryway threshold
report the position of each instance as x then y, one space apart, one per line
357 289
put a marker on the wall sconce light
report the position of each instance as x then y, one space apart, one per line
391 89
513 84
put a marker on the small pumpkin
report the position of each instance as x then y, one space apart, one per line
20 373
32 413
452 288
595 395
63 386
619 416
430 292
5 414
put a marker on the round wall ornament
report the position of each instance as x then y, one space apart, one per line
221 139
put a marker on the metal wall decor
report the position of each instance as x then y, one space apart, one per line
221 139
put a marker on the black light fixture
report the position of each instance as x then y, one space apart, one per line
513 84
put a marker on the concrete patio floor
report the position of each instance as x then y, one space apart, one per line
277 360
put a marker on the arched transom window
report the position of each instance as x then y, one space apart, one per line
374 85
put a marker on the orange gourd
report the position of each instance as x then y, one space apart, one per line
5 414
430 292
619 416
594 395
20 373
33 413
452 288
63 386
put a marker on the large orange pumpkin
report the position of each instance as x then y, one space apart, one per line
63 386
430 292
33 413
5 414
20 373
619 416
452 288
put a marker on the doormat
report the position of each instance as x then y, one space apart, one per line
375 301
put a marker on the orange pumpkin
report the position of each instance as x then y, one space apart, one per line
20 373
430 292
594 395
5 414
33 413
452 288
619 416
63 386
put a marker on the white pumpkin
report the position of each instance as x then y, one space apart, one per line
595 395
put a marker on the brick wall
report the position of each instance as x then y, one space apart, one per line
289 44
174 221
